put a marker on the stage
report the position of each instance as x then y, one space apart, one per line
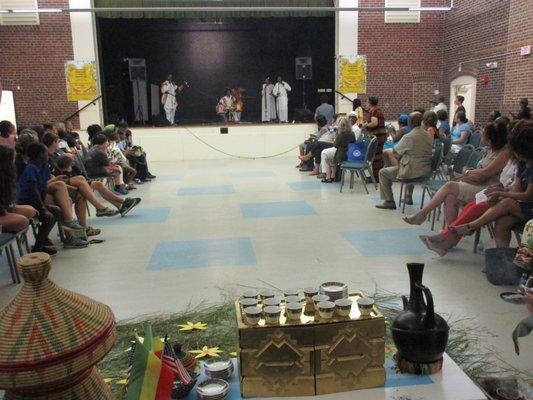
182 143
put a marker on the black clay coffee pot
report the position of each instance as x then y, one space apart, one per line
419 334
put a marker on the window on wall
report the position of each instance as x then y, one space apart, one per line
19 18
402 17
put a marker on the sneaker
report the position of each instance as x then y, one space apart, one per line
72 225
137 181
121 190
76 243
128 204
106 212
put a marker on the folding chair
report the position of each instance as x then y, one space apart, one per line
475 157
6 244
359 168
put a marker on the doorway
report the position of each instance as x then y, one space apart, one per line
465 86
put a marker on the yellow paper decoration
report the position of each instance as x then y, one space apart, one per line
107 380
207 352
196 326
122 382
233 354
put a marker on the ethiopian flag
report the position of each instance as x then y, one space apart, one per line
149 378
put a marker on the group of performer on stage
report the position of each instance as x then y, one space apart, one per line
274 101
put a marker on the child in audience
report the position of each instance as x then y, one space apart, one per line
37 187
7 134
124 206
117 157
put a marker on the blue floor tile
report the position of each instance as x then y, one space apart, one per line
139 215
253 174
203 253
276 209
312 185
206 190
386 242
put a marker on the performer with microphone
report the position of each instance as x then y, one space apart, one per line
280 90
170 103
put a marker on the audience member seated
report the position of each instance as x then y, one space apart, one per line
461 132
513 205
92 131
429 123
15 218
403 128
117 157
443 125
135 154
462 191
305 147
414 154
7 134
37 187
64 166
357 108
375 126
334 156
525 111
493 116
325 139
447 239
354 122
325 109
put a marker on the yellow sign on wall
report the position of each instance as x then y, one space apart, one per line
81 80
352 74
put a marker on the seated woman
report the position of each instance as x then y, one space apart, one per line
461 132
429 123
443 126
447 238
334 156
15 218
37 187
513 205
396 135
472 181
324 141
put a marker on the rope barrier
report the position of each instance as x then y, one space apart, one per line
236 155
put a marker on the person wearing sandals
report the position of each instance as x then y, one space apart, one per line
37 188
514 205
414 152
334 156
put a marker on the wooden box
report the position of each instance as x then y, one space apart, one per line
313 356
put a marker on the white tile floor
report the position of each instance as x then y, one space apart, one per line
289 250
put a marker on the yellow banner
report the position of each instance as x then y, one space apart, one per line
81 80
352 74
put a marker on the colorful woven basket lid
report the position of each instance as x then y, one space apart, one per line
48 333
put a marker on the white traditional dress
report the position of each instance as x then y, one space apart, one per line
282 101
268 103
168 89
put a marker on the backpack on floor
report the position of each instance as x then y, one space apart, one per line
500 267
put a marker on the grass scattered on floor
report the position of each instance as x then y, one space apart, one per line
465 345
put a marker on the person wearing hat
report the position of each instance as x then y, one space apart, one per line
268 101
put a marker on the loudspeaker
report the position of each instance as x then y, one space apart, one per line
137 68
304 68
224 131
303 115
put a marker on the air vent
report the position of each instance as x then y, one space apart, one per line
402 17
19 18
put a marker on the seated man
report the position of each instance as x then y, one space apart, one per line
325 109
414 154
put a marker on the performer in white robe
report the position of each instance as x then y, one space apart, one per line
281 88
268 102
169 90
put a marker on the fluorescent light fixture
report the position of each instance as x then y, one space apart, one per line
4 11
38 10
430 8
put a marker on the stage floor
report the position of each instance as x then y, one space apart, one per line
206 230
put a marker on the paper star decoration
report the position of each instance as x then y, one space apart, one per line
207 352
122 382
107 380
233 354
196 326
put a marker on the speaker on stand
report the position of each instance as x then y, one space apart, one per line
304 72
137 69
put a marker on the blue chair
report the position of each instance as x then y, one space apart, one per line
475 157
6 245
359 168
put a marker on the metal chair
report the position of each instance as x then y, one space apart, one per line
475 157
436 160
6 244
475 138
462 158
360 167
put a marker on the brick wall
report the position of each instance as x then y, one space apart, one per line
404 61
519 69
32 66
